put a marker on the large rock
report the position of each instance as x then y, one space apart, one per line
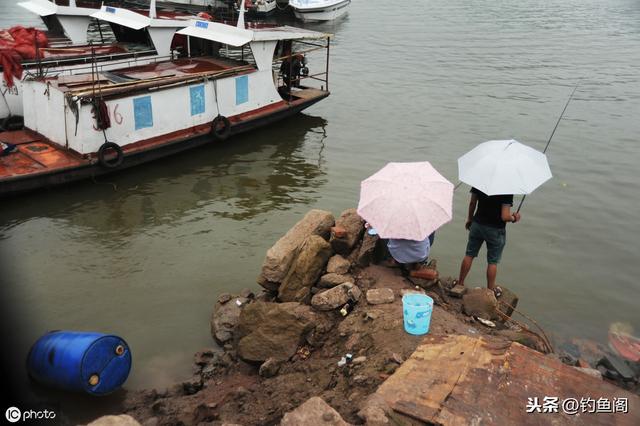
332 280
272 330
378 296
368 252
279 257
338 265
480 302
225 317
525 338
336 297
507 301
314 412
374 411
305 270
121 420
353 226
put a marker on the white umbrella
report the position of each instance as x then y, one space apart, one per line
504 167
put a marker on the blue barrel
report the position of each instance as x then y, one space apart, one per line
95 363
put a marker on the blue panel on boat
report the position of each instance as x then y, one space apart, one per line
242 89
202 24
197 99
142 112
110 10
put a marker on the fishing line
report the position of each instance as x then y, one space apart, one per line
551 137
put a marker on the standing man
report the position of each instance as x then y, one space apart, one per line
487 225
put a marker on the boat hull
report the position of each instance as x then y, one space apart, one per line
173 144
321 14
261 10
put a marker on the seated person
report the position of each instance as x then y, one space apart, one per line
410 254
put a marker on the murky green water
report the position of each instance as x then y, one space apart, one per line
143 254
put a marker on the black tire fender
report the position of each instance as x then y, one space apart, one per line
220 128
114 162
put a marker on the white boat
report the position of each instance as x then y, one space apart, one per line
140 39
319 10
261 7
72 21
81 126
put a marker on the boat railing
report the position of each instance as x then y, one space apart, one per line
154 83
89 59
322 77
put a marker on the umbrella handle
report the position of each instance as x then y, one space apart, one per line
520 205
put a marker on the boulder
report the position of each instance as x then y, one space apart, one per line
373 411
269 368
305 270
338 265
351 226
333 279
272 330
121 420
480 302
225 317
205 413
507 298
524 338
279 257
368 252
378 296
313 412
336 297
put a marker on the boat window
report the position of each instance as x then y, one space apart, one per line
201 47
126 35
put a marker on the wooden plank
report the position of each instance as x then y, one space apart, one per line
461 380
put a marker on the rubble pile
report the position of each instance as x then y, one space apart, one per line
325 331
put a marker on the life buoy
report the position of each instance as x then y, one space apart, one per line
221 128
114 162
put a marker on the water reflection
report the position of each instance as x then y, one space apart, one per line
249 175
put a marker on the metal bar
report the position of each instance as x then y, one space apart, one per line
311 44
298 52
327 69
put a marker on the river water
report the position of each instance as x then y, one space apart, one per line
143 254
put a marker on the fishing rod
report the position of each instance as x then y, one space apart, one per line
551 137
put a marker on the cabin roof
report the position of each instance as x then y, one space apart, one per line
221 33
286 32
135 20
47 8
233 36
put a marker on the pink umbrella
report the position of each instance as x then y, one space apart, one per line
406 200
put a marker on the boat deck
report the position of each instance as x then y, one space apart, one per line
34 155
122 80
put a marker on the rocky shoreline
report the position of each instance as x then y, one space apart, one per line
320 338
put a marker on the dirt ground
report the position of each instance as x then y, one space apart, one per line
227 390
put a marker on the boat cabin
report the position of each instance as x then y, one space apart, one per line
141 37
70 20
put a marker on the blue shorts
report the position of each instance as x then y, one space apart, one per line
494 237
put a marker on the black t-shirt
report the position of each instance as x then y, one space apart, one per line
489 210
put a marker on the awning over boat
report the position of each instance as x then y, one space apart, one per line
225 34
124 17
287 33
47 8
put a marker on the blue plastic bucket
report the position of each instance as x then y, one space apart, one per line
417 310
95 363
